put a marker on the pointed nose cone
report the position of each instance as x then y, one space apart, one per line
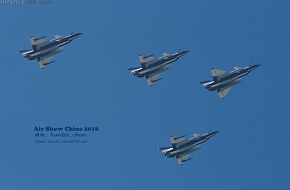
78 35
215 132
211 134
256 65
74 36
252 67
182 53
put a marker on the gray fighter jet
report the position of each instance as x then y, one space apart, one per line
182 147
152 67
43 50
223 81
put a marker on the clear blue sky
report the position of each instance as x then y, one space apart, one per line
89 84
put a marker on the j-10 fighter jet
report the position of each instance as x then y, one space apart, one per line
43 50
152 67
182 147
223 81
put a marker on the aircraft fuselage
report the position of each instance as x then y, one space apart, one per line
227 79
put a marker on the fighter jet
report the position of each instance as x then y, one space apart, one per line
223 81
43 50
152 67
182 147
